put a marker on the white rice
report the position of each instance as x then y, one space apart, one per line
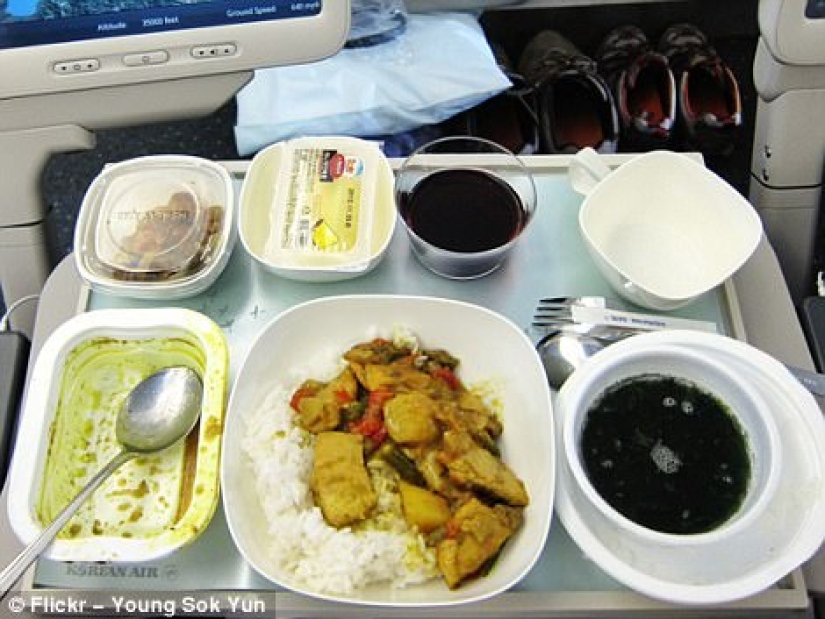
325 559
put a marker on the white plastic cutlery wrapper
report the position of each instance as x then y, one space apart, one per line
812 381
633 320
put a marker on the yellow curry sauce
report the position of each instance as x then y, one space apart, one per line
409 408
145 496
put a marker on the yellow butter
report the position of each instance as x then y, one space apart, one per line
324 201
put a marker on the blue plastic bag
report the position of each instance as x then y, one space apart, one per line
439 66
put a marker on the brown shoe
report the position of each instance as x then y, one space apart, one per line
643 87
574 103
710 107
509 118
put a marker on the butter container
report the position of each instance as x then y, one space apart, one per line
156 227
318 208
151 505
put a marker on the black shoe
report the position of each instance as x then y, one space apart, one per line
643 87
574 103
509 118
710 107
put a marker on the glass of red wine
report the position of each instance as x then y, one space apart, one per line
465 202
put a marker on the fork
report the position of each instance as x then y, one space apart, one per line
553 303
561 308
556 314
556 311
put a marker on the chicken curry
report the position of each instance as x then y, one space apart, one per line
409 407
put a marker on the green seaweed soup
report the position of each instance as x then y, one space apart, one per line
666 454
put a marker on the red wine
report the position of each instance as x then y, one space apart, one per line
464 210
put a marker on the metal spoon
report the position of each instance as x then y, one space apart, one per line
157 413
562 351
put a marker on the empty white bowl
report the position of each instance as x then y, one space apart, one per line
661 228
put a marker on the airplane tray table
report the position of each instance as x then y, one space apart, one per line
551 261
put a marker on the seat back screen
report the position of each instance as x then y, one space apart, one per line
38 22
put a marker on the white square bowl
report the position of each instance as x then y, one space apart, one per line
663 229
492 351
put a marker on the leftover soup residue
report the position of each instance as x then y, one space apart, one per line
143 497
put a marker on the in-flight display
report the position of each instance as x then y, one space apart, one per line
37 22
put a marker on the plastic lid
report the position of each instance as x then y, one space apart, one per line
138 230
154 220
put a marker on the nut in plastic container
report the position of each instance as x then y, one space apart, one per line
157 227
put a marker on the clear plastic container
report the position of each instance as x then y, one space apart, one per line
156 227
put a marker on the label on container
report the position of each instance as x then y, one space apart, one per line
323 202
322 208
